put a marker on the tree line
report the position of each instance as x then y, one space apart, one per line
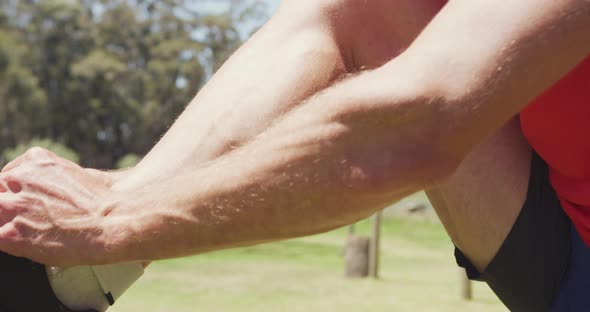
100 81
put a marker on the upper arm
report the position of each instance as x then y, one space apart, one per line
367 33
488 59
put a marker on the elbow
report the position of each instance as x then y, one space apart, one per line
447 142
431 130
413 143
442 121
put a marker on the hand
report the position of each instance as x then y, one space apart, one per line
49 210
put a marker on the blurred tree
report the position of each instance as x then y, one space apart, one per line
107 78
21 98
127 161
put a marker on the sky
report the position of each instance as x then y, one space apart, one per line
216 6
273 4
213 5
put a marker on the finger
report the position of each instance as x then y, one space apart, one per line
15 163
8 182
7 214
30 154
34 153
11 206
20 239
10 240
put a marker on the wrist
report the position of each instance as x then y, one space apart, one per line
134 226
119 230
119 175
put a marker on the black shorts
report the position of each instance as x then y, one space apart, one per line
527 272
25 287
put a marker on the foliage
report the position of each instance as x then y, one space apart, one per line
107 78
127 161
56 147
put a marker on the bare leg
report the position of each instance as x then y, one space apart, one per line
480 202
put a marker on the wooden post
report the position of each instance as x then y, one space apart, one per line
356 256
374 247
466 291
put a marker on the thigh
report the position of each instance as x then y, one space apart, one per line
479 204
506 221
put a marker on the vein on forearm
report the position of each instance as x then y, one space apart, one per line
272 73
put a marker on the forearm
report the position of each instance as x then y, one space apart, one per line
315 170
289 59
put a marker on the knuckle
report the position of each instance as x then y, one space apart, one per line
18 222
38 152
13 181
8 166
27 202
7 208
34 151
8 176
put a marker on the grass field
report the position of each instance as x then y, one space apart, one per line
307 274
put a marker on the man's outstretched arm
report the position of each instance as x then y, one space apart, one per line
346 152
376 137
300 51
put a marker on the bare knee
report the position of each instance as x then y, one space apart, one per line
479 203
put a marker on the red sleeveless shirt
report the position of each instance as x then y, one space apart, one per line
557 125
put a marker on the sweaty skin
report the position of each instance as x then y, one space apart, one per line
304 166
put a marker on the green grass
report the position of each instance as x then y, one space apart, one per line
307 274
